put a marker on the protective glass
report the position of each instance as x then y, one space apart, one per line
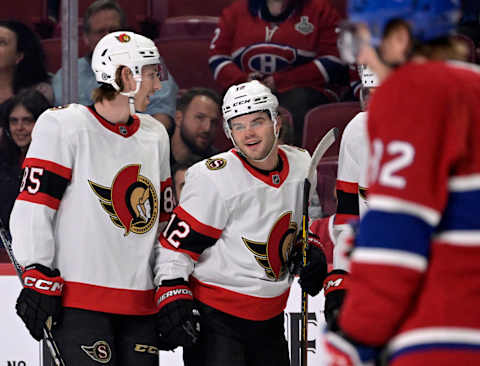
349 42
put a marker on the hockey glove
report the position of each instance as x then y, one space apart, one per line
344 246
345 352
335 287
313 274
40 301
178 319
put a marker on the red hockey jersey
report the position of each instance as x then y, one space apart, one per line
299 52
415 268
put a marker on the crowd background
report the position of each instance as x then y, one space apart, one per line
186 33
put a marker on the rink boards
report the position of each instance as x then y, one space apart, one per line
17 348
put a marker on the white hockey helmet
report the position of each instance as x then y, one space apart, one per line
128 49
369 78
245 98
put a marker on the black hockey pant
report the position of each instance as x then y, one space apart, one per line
226 340
93 338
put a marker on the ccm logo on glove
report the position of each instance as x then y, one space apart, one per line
41 283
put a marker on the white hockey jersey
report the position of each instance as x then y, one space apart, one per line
233 232
352 168
90 203
351 184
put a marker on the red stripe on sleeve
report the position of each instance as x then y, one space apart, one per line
166 183
166 200
196 225
50 166
341 219
40 198
347 187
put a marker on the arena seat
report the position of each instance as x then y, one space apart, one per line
326 179
188 27
162 9
319 120
26 11
341 6
187 61
53 52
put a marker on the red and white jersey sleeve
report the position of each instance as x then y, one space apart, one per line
90 204
414 269
352 161
47 171
299 52
233 231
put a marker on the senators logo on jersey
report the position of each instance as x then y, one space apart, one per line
100 351
273 254
131 201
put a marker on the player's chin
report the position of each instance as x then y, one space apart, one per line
142 106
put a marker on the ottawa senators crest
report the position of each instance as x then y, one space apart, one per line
99 352
123 38
131 201
273 254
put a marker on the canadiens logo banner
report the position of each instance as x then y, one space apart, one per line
131 201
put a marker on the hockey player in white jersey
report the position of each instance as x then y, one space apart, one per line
225 252
351 185
96 190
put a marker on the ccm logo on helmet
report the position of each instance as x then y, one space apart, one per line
43 285
241 102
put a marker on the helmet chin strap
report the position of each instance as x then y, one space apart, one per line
131 96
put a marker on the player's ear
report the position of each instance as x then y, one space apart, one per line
279 123
127 79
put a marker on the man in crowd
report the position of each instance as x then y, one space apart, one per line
196 122
101 18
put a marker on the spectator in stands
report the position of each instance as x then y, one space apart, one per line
178 176
196 122
286 135
22 61
288 45
101 18
18 117
470 23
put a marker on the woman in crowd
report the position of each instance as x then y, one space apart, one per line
17 118
22 61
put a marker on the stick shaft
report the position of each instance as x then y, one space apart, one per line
47 334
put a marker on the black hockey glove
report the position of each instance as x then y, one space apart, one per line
334 287
178 319
40 299
313 274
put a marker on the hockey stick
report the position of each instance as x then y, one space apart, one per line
47 334
327 141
